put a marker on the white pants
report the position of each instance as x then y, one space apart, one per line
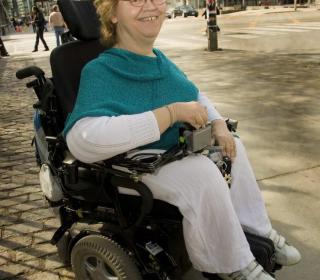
213 214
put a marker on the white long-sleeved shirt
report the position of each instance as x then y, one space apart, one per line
93 139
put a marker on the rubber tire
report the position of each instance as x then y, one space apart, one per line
62 248
107 250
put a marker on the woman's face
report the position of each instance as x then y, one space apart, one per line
139 23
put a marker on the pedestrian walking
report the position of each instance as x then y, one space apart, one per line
57 23
206 14
3 51
39 21
14 23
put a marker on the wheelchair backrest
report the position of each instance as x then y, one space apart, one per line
68 59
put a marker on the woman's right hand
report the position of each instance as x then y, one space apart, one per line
191 112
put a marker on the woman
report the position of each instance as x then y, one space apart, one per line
132 95
40 22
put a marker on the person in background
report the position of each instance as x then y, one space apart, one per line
14 23
133 95
3 51
57 23
206 14
39 21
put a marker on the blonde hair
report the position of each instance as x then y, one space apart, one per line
105 10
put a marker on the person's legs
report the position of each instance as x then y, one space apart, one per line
3 51
41 29
37 40
246 196
249 205
56 32
213 235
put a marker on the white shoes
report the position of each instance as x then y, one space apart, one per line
285 253
253 271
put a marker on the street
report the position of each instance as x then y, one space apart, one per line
266 76
272 30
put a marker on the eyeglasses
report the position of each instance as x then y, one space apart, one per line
140 3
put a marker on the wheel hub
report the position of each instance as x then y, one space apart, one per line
97 269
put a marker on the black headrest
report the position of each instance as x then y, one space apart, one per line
67 62
81 18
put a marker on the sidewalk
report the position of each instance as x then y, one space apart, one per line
274 97
261 10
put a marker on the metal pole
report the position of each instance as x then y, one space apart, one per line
212 27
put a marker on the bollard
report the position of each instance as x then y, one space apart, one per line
212 28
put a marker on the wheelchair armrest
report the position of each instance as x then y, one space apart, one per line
29 71
142 189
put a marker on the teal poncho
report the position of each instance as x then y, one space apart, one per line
120 82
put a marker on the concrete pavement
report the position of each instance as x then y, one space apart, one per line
274 96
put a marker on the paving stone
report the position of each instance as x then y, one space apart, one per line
16 193
21 207
44 275
14 200
3 194
12 269
52 223
65 274
10 164
35 251
4 258
31 205
18 179
36 196
37 214
20 229
8 220
53 262
16 242
32 188
37 264
43 236
9 186
33 181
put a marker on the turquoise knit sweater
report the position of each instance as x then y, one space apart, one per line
119 82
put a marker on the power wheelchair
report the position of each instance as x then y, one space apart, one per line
104 234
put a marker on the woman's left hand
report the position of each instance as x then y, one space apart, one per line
224 138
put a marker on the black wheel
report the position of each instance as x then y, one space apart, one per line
62 248
97 257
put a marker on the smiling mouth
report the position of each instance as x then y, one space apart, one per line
149 18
